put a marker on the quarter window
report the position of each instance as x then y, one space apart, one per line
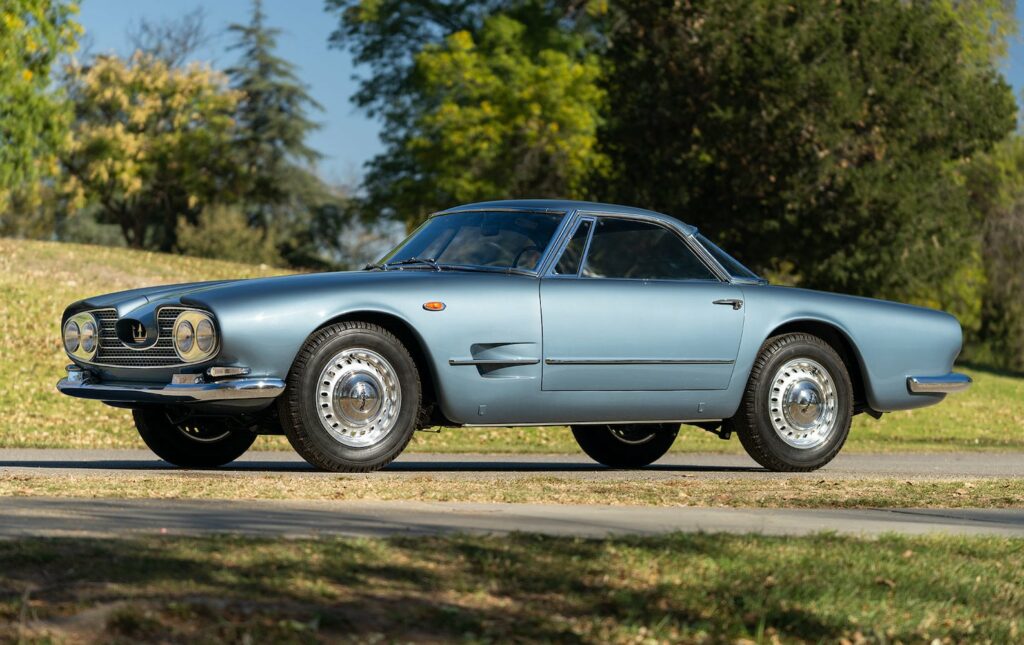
572 256
622 248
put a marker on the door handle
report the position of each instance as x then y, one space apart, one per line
733 302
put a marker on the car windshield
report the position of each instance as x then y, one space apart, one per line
503 240
731 264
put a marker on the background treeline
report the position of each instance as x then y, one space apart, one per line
863 146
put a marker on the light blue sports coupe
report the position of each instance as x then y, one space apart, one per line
619 322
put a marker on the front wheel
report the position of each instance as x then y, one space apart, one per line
189 442
626 446
796 411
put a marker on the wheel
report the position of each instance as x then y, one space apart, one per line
626 446
191 443
796 410
352 399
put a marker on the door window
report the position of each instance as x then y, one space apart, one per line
630 249
572 256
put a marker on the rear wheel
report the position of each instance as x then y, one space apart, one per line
352 399
189 442
626 445
798 405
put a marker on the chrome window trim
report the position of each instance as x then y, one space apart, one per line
142 349
564 244
718 273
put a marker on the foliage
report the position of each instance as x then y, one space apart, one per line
223 233
150 144
479 101
996 185
812 132
271 137
33 117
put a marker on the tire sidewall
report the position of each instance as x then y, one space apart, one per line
308 384
604 447
844 403
172 445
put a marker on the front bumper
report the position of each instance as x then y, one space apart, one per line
951 382
82 384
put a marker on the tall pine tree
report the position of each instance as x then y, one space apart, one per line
273 119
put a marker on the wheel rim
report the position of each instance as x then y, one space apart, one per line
201 432
358 397
633 435
802 404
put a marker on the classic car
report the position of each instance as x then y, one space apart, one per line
618 322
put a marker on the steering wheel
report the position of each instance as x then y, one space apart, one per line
519 256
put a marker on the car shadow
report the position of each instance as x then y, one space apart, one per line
408 466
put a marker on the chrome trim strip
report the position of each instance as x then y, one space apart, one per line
951 382
636 361
493 361
579 423
80 383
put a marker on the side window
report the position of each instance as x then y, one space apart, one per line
623 248
569 263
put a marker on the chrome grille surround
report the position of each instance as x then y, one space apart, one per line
113 353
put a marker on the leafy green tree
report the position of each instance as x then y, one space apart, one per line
810 134
224 233
150 144
33 117
479 100
273 124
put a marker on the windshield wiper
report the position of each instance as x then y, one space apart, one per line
429 261
370 266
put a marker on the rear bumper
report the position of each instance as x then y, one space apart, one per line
82 384
951 382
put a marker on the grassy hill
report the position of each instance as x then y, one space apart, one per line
38 279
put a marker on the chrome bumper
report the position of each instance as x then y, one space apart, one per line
951 382
80 383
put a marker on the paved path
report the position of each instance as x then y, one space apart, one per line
846 466
23 517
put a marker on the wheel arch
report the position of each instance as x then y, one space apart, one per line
412 341
841 343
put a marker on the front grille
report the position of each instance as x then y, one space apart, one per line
114 353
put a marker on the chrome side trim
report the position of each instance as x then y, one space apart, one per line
951 382
493 361
636 361
80 383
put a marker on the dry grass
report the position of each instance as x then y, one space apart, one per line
776 492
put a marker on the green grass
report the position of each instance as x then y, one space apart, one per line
675 588
38 279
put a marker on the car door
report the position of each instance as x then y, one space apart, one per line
630 306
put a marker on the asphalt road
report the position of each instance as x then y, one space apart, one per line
455 466
25 517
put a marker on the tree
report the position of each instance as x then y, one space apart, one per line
150 144
33 117
811 134
272 118
173 41
479 100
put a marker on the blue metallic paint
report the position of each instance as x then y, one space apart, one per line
495 317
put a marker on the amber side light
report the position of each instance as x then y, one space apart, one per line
433 305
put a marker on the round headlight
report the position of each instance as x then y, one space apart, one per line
184 337
205 336
88 337
72 336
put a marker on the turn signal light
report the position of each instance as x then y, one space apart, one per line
433 305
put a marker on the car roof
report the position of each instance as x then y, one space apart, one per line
568 206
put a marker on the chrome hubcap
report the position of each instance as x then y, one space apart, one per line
631 434
802 403
359 397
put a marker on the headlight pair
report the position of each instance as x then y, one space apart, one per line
81 336
195 338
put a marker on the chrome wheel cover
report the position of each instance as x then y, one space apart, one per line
633 435
802 403
358 397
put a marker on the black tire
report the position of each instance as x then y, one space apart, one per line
753 422
205 443
626 446
300 417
